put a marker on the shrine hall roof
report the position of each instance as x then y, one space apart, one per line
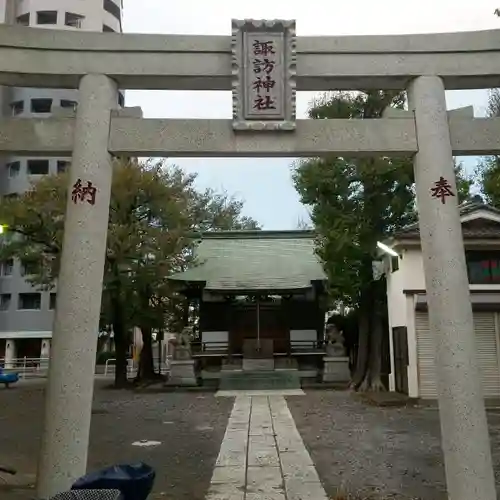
255 260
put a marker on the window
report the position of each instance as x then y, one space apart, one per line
5 300
13 168
107 29
66 103
483 267
30 301
38 167
394 264
46 17
112 8
41 105
17 107
52 303
28 268
62 166
6 267
23 20
74 20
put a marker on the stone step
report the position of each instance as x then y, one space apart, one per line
284 363
254 365
260 380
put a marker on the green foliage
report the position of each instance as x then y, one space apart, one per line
464 183
354 202
153 209
489 180
488 170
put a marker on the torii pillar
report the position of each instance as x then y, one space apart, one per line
464 429
68 400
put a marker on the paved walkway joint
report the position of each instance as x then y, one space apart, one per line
259 392
262 456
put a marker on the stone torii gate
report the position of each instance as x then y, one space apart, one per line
263 63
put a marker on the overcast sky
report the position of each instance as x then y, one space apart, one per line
265 184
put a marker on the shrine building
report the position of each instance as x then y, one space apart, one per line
261 300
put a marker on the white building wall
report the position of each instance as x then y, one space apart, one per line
396 309
409 276
395 296
413 269
401 307
92 16
92 10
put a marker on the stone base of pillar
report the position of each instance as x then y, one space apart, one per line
336 369
182 373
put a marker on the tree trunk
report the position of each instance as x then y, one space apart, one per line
185 314
372 381
370 349
367 376
121 347
363 353
121 343
375 362
146 370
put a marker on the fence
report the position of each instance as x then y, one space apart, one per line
132 368
38 367
26 367
112 361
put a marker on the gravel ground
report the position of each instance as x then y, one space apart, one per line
384 452
376 452
190 427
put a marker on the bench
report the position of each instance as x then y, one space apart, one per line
8 378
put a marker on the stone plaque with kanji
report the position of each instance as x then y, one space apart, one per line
263 74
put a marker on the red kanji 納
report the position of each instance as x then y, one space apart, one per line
83 193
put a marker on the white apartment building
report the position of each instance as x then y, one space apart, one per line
26 314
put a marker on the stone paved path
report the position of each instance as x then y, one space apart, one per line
262 456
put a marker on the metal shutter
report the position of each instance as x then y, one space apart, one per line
487 353
425 357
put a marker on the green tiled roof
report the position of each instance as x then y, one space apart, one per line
255 260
